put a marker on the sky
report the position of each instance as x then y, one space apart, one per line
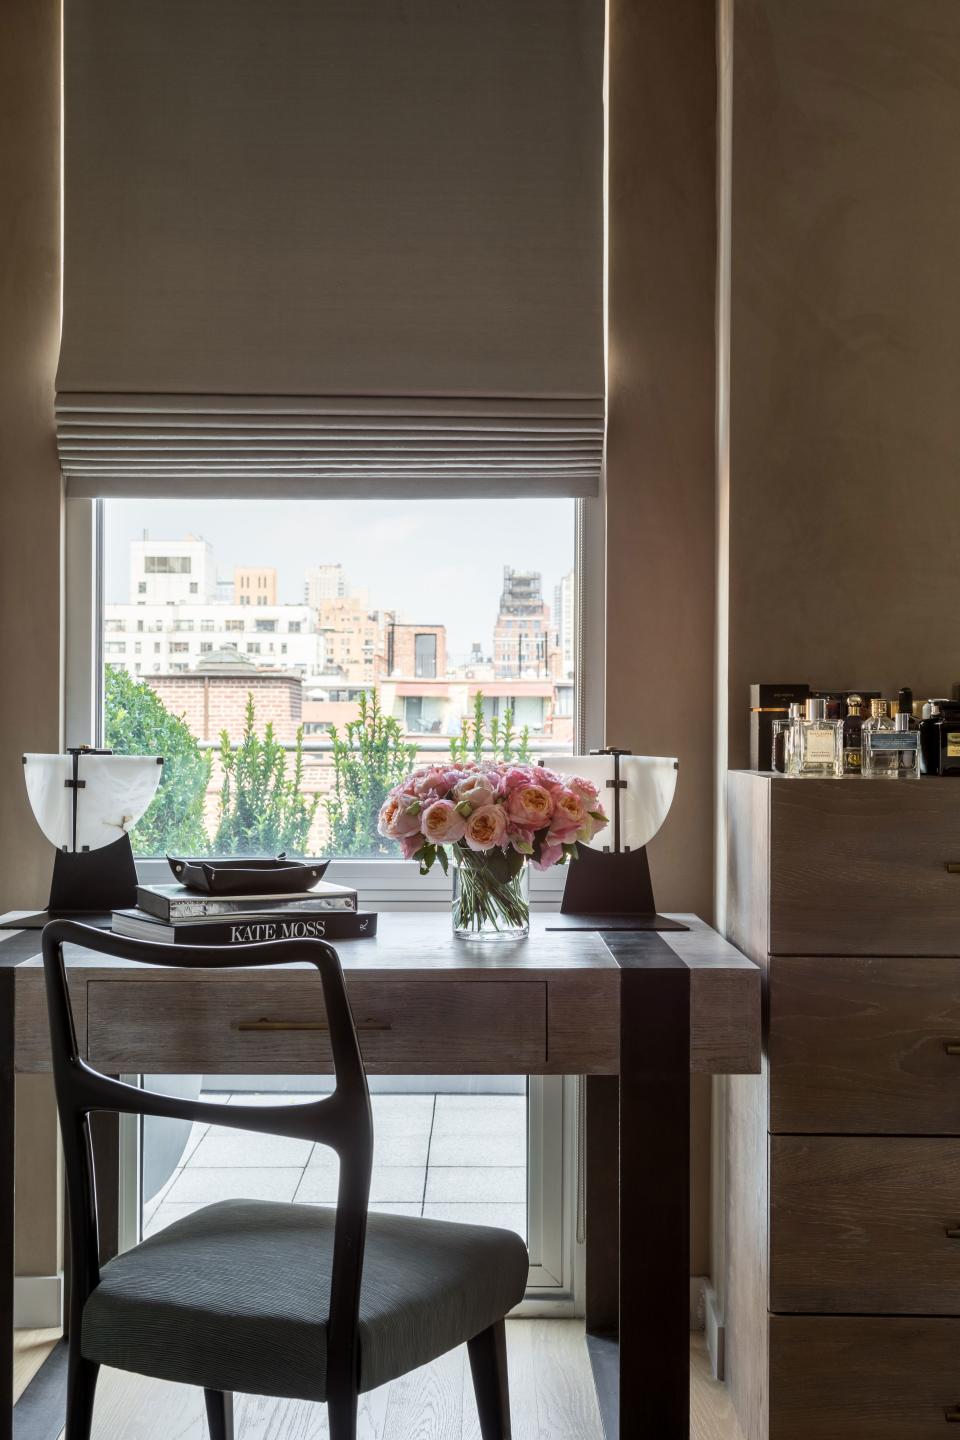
434 561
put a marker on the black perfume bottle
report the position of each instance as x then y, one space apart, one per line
949 737
930 738
853 736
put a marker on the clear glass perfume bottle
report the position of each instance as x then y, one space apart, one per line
892 754
819 743
790 738
853 736
884 759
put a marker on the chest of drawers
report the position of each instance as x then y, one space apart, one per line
842 1283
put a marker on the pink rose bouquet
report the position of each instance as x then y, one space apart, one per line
494 817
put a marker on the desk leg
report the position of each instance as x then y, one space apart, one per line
8 1120
655 1201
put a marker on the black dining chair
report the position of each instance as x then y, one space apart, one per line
293 1301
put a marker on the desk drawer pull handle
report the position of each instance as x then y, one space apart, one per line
272 1025
953 866
952 1416
952 1047
953 1232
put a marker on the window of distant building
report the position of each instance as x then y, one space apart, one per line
425 657
167 564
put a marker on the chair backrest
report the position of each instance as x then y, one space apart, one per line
341 1120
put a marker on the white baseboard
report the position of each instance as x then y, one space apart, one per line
698 1284
715 1332
37 1302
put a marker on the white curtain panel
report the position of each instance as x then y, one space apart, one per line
332 246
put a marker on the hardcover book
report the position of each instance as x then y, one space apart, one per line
248 929
176 902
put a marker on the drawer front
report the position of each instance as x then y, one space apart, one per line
861 1046
864 1225
254 1026
863 1378
859 868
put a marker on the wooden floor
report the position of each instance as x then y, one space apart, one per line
551 1392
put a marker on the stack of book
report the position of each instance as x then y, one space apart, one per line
172 914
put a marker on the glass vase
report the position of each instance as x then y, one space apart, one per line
490 895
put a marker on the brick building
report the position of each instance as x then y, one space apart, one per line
215 699
416 652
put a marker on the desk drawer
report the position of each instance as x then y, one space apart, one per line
863 1378
860 868
862 1225
256 1026
859 1046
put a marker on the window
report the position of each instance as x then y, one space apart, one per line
167 564
425 653
114 647
194 587
142 587
413 621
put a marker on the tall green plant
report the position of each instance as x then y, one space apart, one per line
138 723
262 808
501 743
368 760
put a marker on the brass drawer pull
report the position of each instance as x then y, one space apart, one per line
953 866
952 1416
953 1232
952 1047
272 1025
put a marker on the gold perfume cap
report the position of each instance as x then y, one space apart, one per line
879 708
854 704
918 709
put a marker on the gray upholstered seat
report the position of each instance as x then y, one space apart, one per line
236 1297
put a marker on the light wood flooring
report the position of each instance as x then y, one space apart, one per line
551 1393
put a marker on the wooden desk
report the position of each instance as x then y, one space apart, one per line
635 1013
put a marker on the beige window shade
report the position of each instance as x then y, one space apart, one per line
332 246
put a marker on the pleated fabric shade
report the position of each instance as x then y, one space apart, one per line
346 247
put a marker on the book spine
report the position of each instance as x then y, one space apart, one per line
329 926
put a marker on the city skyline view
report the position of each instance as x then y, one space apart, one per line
432 561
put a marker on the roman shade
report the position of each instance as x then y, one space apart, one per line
332 247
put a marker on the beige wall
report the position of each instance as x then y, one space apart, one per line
845 358
660 448
30 510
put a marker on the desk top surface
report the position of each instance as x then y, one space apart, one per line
423 941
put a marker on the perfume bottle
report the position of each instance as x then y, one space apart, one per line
818 743
949 737
930 727
892 754
880 719
790 738
853 736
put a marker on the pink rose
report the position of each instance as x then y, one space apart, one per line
592 825
550 854
395 821
432 780
476 790
486 828
568 816
585 789
409 845
442 824
514 776
530 805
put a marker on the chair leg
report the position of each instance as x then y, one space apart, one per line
342 1418
81 1390
219 1405
488 1362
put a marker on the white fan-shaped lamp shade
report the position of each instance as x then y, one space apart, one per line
651 781
115 793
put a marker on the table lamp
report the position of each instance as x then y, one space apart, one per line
608 886
86 802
